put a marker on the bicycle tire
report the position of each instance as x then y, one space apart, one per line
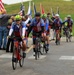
14 60
36 54
21 61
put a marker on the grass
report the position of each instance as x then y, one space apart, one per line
64 7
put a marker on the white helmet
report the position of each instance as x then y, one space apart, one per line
68 16
57 15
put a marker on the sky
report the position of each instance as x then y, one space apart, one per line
13 1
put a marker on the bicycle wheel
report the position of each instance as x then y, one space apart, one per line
66 39
14 59
21 61
36 52
70 39
70 36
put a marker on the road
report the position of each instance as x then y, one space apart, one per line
59 61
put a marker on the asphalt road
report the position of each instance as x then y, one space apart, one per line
59 61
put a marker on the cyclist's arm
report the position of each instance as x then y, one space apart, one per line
29 30
47 25
23 30
31 26
11 30
26 22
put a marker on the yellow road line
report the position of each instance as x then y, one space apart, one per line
28 50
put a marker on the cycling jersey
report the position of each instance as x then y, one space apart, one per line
37 26
18 30
69 23
58 24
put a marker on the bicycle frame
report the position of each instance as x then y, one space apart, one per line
37 48
17 55
16 44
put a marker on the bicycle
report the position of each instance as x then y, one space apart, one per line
38 47
17 55
68 35
57 37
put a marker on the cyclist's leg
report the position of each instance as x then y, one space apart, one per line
56 35
24 48
71 30
47 38
34 39
24 45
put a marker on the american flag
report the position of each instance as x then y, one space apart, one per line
1 6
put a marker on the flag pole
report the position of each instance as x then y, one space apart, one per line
51 12
22 2
57 10
22 8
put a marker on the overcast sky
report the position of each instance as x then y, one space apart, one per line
13 1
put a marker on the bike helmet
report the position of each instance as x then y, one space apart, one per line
68 16
57 15
37 14
44 15
18 17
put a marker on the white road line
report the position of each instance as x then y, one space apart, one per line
29 49
66 58
7 55
41 57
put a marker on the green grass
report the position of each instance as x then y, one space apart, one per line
64 6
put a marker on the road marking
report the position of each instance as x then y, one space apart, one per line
33 57
29 49
7 55
66 58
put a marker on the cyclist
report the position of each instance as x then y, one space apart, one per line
58 24
19 28
46 23
69 23
37 27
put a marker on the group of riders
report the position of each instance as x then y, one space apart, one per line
40 26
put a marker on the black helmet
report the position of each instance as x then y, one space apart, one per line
37 14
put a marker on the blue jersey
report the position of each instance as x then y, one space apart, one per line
17 29
58 23
46 23
37 25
